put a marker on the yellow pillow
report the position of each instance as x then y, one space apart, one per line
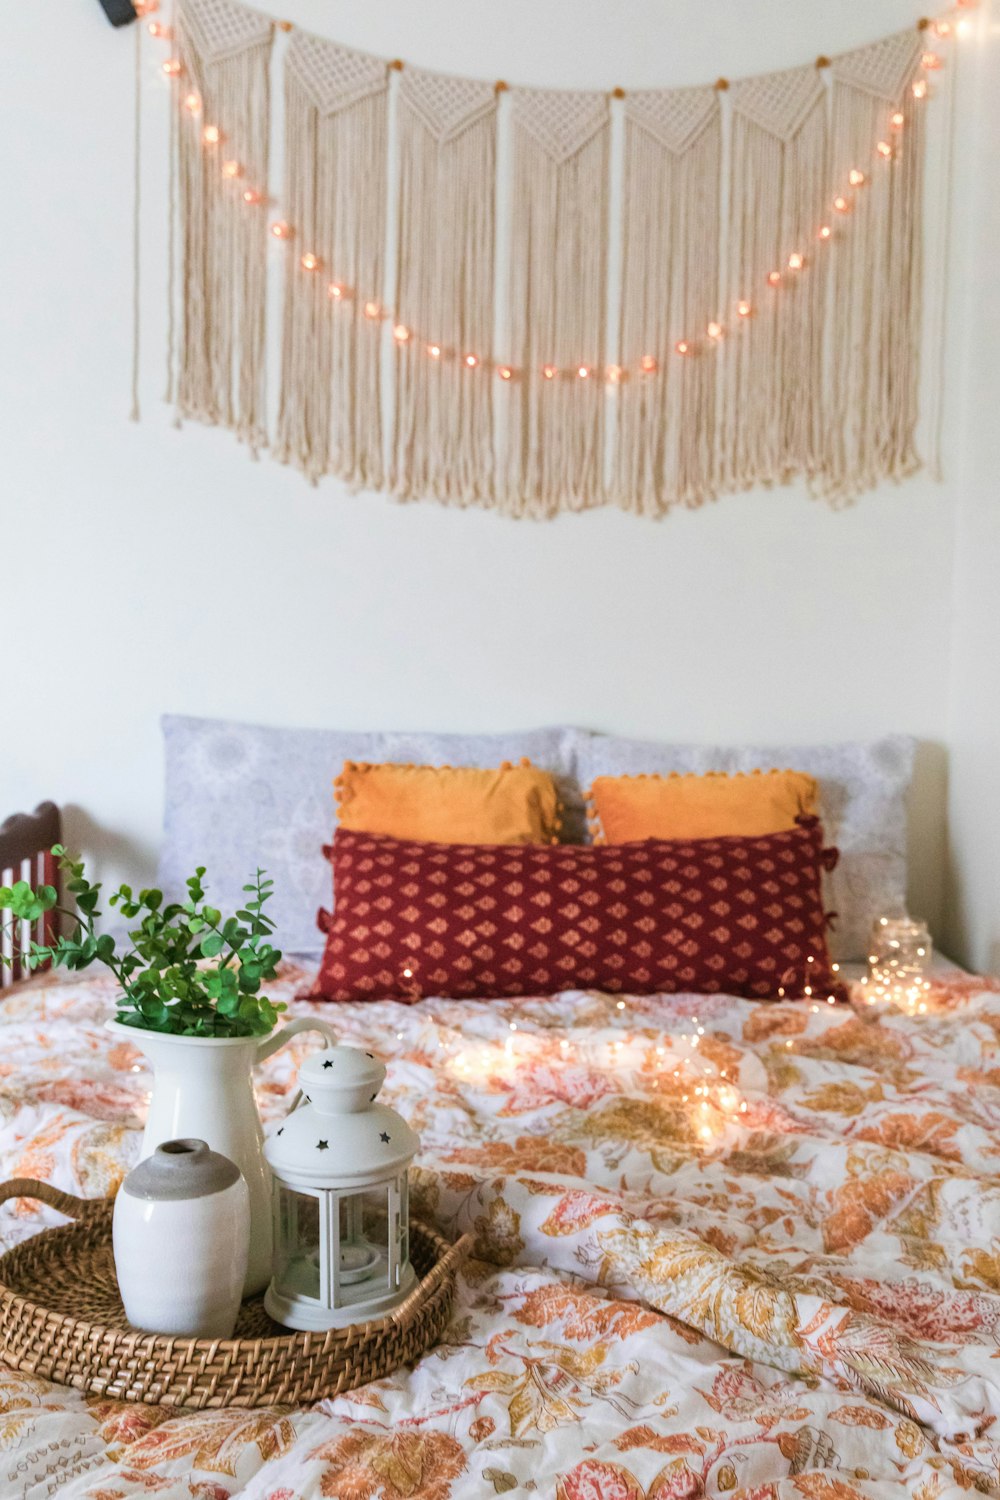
626 808
450 805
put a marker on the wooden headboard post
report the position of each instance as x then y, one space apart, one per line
26 841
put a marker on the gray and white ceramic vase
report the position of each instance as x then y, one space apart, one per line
181 1240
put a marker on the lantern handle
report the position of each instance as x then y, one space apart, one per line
277 1039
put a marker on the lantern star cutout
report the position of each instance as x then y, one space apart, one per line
384 1136
322 1145
328 1063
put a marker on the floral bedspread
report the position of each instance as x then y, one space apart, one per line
723 1248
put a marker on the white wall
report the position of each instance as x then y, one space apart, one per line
148 569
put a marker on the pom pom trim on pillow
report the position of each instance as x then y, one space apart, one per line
450 804
689 805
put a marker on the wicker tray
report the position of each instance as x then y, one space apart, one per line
61 1318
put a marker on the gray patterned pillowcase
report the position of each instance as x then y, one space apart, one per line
242 795
862 789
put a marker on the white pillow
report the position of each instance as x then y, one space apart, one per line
862 789
242 795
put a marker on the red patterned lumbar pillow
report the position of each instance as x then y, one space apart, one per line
738 915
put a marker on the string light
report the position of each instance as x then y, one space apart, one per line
549 372
856 177
157 29
841 204
401 333
614 374
192 104
825 231
582 372
930 62
774 278
897 119
919 88
309 261
211 135
372 310
884 149
434 350
714 330
252 197
505 372
231 169
744 309
682 346
796 261
648 364
940 28
172 67
471 361
281 230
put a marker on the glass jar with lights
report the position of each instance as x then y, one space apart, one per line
341 1204
899 960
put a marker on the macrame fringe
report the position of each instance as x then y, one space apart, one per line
336 150
875 304
558 287
665 450
771 367
443 437
225 54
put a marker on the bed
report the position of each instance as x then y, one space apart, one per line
787 1285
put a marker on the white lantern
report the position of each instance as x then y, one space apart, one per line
341 1204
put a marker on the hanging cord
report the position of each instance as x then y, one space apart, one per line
136 219
169 394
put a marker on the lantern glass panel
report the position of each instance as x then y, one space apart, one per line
297 1243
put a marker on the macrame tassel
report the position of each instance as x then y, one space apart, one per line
443 437
558 287
225 53
665 452
771 364
336 144
876 294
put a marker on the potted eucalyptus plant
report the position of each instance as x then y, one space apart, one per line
191 1000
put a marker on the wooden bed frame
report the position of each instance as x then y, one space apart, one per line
26 841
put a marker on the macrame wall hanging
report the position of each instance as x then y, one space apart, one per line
763 320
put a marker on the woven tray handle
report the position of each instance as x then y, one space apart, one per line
448 1264
44 1192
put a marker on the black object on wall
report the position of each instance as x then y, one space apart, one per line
118 12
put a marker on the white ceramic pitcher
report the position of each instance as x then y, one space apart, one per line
203 1087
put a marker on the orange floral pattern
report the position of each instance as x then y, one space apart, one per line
722 1249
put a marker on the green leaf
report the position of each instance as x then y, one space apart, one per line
212 945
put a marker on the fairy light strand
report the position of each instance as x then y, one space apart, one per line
743 310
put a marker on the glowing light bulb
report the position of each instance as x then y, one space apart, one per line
157 29
648 364
231 169
434 350
714 330
582 372
825 231
211 135
309 261
335 291
372 310
940 28
796 260
930 62
682 346
963 26
251 197
856 177
172 67
918 88
281 230
401 333
505 372
841 204
550 372
192 104
614 374
744 309
774 278
897 119
471 361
